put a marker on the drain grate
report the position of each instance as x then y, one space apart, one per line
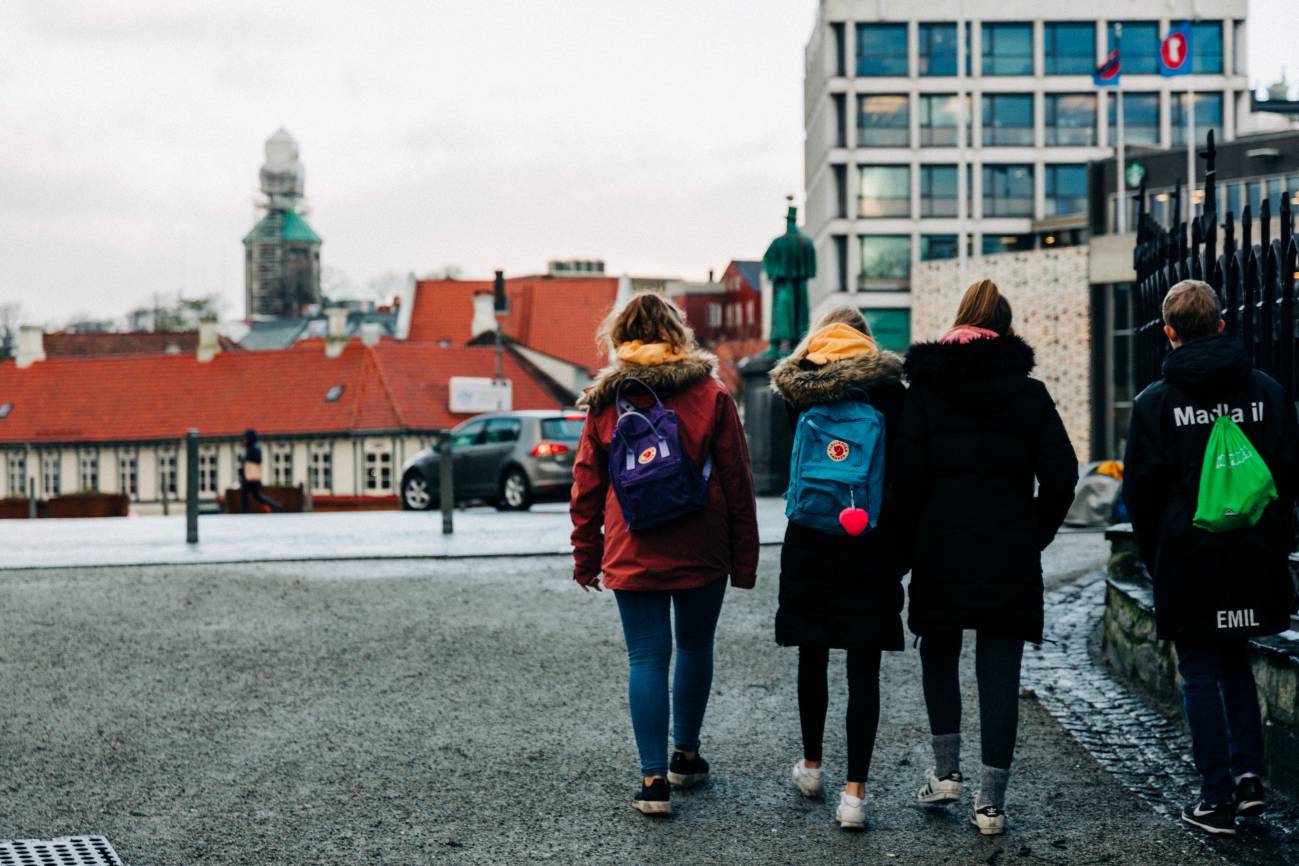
68 851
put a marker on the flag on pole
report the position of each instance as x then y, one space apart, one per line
1107 74
1175 51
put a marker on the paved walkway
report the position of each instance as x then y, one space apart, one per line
472 712
121 541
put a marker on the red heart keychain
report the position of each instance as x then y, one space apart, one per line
854 520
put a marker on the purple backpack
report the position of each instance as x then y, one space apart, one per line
654 480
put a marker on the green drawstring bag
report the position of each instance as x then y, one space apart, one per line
1235 483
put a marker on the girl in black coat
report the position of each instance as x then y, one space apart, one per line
840 591
976 435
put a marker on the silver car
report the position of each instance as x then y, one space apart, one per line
510 459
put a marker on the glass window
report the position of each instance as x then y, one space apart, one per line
890 328
503 430
1254 197
1140 118
1206 47
937 49
282 465
1208 115
565 428
320 471
207 471
938 191
17 466
1066 189
128 475
1007 49
378 471
1140 48
883 121
1238 48
1069 48
993 244
167 476
88 466
468 434
885 191
1008 190
881 49
940 120
1292 186
1070 119
1231 200
885 257
1274 194
51 472
1007 119
935 247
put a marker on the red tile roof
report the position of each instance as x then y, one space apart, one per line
61 345
556 316
391 386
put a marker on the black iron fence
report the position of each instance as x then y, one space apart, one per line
1254 277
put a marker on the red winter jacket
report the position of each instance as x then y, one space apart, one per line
690 552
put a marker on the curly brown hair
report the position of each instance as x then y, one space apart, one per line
650 318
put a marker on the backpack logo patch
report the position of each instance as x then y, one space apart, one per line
648 454
837 451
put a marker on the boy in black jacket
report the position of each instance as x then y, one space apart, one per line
1212 590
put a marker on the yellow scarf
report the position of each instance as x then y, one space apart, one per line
648 354
838 342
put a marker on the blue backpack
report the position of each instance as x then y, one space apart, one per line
654 480
837 464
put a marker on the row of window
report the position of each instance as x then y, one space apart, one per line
1008 190
885 260
1068 48
1233 196
1009 119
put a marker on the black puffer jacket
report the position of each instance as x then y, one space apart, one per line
1211 585
842 591
976 433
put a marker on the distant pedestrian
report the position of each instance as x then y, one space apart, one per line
1216 585
985 473
250 476
840 590
638 463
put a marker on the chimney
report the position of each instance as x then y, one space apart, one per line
710 275
336 336
209 341
502 304
484 320
371 332
31 346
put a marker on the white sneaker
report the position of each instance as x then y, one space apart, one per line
990 820
851 813
810 780
939 792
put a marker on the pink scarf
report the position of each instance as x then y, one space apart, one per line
963 334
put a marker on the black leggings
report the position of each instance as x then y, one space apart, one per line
863 704
996 667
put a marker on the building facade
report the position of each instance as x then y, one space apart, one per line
947 130
282 252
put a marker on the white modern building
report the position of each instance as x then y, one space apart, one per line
948 129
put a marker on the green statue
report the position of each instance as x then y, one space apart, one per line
789 262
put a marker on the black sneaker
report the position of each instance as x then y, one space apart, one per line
1249 797
654 799
1219 820
687 772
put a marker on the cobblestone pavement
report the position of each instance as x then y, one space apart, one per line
1144 746
473 712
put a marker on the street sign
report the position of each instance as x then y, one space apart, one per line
471 395
1134 173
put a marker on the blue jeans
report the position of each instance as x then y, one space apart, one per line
647 628
1221 704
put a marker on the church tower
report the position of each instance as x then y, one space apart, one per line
281 253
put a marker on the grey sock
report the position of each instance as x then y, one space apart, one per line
947 754
992 791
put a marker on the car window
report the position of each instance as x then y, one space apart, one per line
470 434
562 428
500 430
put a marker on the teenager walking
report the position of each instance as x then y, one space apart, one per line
977 436
837 590
1214 587
659 571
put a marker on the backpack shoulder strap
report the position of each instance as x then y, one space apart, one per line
625 406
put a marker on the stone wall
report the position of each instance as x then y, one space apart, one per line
1049 292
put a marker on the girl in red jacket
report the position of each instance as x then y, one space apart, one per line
682 565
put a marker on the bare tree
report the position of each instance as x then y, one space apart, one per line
11 317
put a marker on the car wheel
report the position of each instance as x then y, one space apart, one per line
516 493
416 495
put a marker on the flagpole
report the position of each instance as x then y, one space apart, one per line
1120 166
1190 155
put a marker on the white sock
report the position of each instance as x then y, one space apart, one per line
802 762
850 800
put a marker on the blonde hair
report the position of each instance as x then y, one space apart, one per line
1191 308
650 318
983 306
839 314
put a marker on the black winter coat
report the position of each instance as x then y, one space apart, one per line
1211 585
976 432
842 591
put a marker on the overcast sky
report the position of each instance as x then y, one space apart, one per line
659 136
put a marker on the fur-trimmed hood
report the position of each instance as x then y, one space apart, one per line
665 379
938 363
809 385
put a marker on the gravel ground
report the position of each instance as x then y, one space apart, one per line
466 712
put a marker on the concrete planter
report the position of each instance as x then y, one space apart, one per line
75 505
